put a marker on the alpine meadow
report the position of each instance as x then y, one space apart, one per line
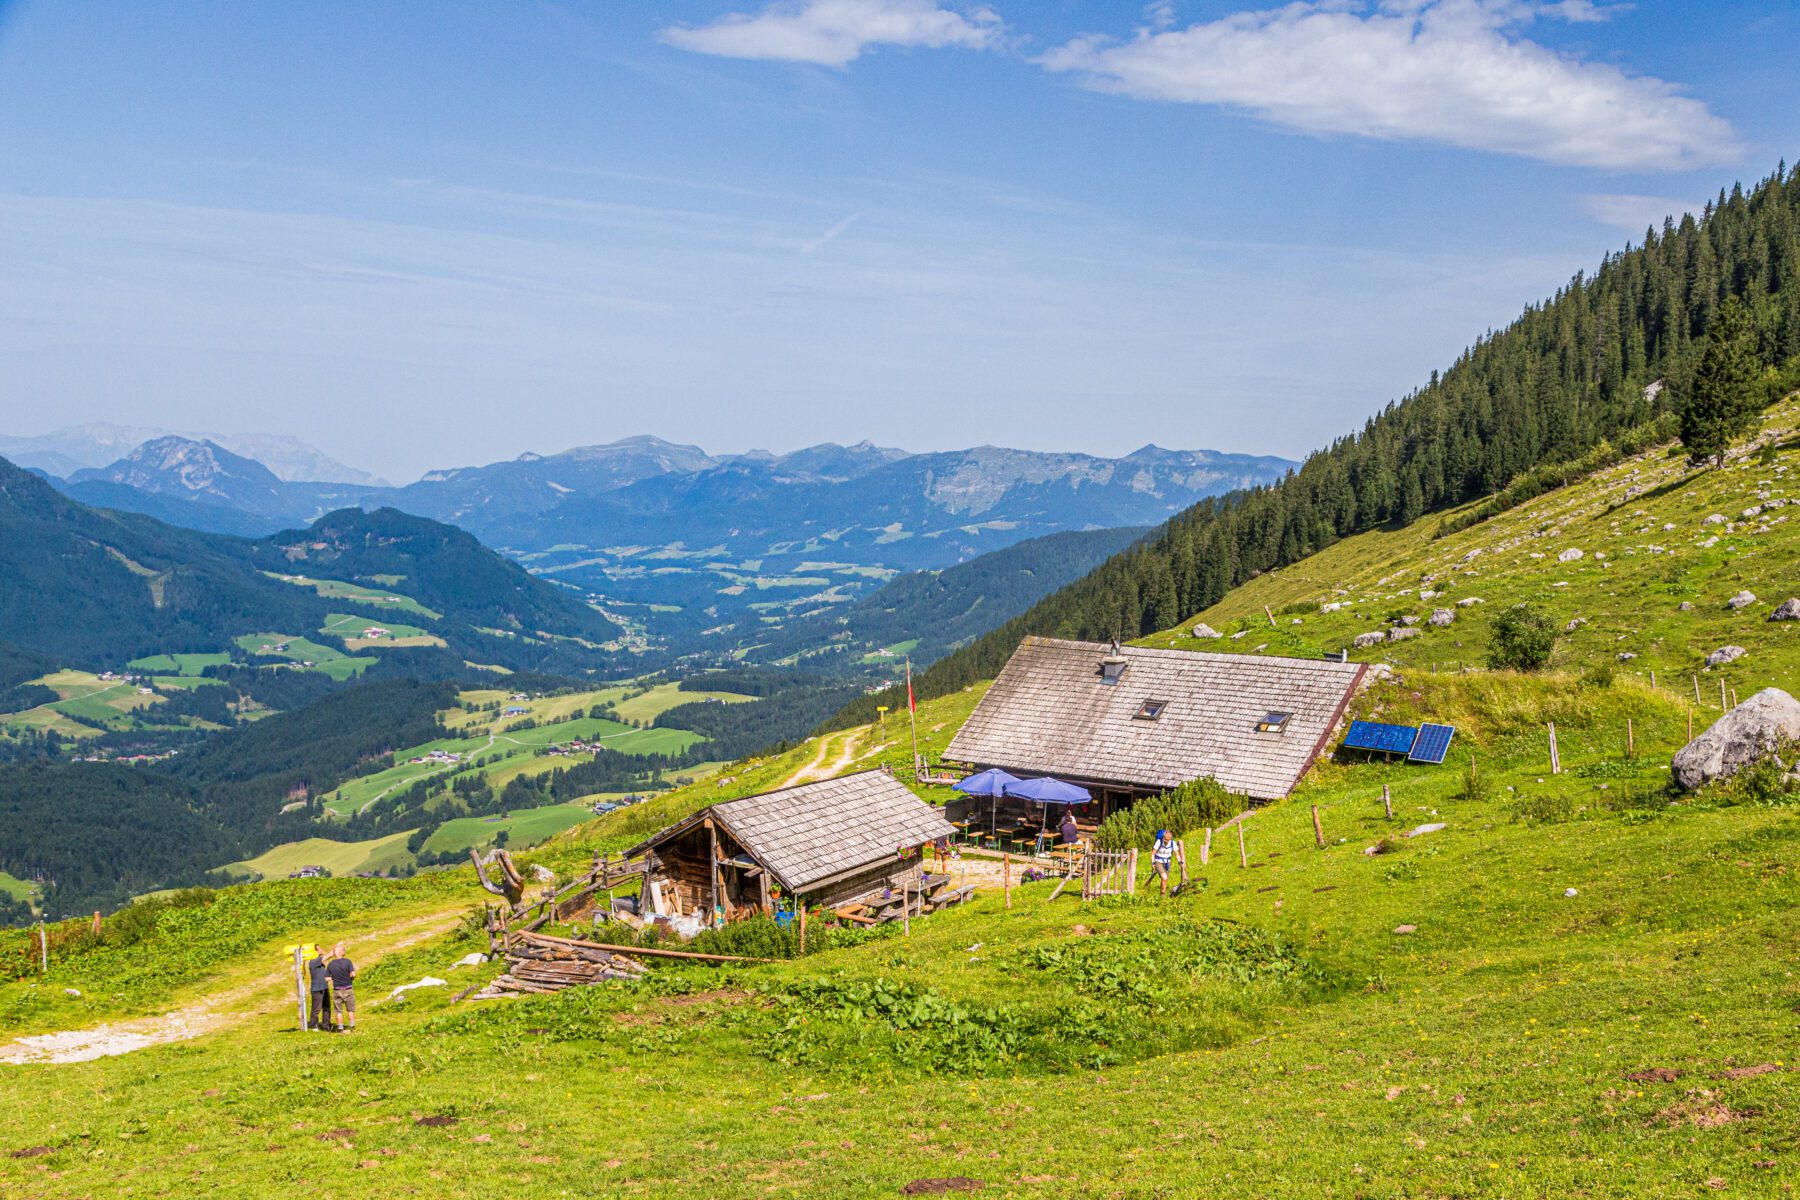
805 598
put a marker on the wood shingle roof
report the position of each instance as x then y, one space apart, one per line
815 832
1051 713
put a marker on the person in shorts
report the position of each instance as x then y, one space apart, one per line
342 974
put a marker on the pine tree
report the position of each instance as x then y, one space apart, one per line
1722 401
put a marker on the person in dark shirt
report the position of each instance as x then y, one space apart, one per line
317 982
342 973
1070 833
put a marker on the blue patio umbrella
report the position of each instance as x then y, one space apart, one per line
992 783
1049 791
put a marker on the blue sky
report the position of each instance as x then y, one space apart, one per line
1061 225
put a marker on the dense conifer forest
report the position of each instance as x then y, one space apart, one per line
1568 377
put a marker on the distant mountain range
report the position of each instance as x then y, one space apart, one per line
78 447
95 588
697 552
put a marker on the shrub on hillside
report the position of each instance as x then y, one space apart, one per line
1197 804
1523 638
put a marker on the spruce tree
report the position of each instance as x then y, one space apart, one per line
1722 399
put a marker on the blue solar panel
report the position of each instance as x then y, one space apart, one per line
1373 735
1433 743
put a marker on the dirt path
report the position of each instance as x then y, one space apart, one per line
818 768
269 994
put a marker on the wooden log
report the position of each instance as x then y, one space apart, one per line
643 951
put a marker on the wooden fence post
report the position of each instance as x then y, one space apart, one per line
1387 802
801 905
1087 874
300 988
1653 681
1271 617
1006 876
43 948
1721 695
906 907
1243 855
1318 828
1696 689
1206 848
1131 871
96 923
1555 761
1630 741
1734 697
1690 724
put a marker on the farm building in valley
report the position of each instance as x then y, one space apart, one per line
1126 722
828 843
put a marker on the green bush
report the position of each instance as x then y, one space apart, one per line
1197 804
1523 638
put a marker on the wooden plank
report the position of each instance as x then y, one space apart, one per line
645 951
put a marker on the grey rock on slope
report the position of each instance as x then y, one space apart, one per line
1758 726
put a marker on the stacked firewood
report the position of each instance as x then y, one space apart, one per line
540 966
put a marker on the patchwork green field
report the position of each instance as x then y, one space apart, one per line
526 828
179 664
340 858
17 889
360 632
338 589
299 650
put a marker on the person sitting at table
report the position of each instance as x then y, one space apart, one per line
1068 833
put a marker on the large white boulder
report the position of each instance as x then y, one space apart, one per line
1441 617
1742 600
1725 654
1402 633
1754 728
1203 630
1569 555
1364 640
1789 610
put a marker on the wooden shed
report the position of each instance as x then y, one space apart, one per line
828 842
1127 721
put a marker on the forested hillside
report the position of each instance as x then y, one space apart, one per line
1570 376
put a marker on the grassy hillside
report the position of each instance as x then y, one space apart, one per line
1646 550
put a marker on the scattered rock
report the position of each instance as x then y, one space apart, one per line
1654 1075
75 992
1570 893
1754 728
1429 595
1407 620
1713 519
542 873
1430 827
1240 633
1363 640
1574 624
1404 929
1401 634
1789 610
1755 510
1742 600
1468 601
1725 654
1685 606
1203 630
1472 555
1569 555
1709 543
1626 656
1441 617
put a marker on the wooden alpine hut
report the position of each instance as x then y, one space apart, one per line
1127 721
827 843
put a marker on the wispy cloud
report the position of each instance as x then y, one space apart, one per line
1455 72
833 33
1634 214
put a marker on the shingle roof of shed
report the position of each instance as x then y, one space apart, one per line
814 832
1049 713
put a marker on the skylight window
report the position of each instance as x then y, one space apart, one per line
1275 722
1150 710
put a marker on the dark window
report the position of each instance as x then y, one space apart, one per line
1150 710
1275 722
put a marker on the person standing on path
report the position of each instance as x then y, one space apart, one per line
1166 850
342 974
319 988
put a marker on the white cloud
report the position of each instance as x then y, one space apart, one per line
1634 214
832 33
1455 72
